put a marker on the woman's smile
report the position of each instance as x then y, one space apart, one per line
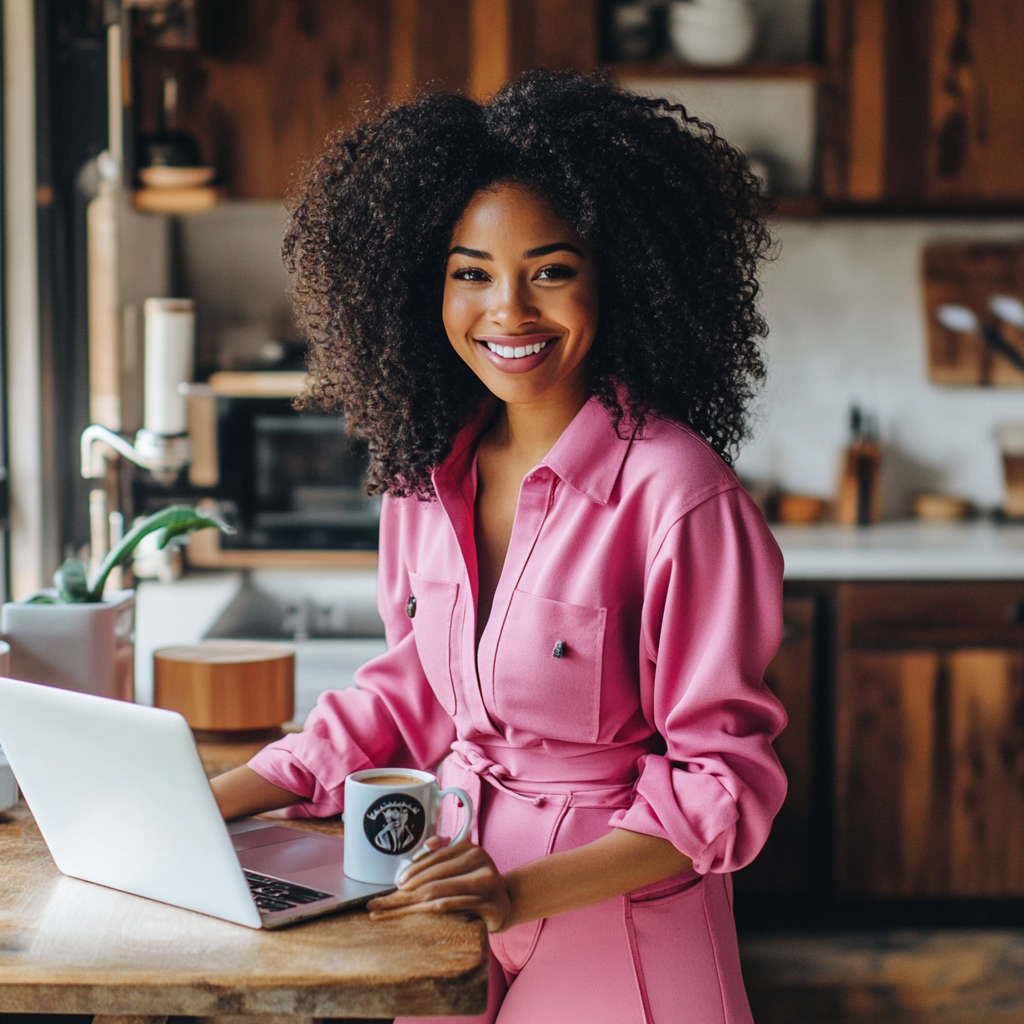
520 297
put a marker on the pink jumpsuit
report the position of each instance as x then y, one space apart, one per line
646 567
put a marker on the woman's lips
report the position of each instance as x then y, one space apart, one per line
518 353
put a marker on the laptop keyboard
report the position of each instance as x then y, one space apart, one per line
271 894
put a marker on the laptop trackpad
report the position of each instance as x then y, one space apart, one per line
266 837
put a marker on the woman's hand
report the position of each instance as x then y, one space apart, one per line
442 878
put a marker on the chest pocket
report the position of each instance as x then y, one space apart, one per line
432 626
547 671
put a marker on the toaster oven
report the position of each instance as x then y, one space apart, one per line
293 485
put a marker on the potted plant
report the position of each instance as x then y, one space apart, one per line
74 636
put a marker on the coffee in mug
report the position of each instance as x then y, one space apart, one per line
389 815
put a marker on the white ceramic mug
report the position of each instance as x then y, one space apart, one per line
389 815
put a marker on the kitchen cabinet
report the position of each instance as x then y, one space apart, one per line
270 79
929 739
922 105
788 862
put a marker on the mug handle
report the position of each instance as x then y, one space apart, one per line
467 805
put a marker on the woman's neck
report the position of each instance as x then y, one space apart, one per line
528 432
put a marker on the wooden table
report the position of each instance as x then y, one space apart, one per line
68 946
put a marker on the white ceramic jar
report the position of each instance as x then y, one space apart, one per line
712 33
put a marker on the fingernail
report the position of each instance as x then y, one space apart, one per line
421 853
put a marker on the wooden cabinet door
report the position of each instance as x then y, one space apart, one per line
985 765
930 773
787 863
922 105
889 817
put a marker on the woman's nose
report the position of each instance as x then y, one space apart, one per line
511 304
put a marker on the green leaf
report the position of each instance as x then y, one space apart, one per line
71 582
173 521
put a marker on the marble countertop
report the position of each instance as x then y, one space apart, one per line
980 550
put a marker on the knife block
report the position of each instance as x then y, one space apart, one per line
860 485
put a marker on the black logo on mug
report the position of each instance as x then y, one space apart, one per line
394 823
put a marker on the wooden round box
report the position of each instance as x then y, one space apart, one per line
230 689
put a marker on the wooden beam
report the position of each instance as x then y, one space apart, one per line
490 26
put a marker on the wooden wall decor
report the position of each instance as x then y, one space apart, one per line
970 277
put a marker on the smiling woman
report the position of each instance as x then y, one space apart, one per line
540 314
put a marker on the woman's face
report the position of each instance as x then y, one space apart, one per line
520 297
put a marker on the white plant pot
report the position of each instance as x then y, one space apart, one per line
84 647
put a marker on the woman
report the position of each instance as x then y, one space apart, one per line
540 315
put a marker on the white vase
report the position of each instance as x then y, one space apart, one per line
712 33
84 647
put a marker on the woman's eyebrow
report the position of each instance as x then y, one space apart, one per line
473 254
547 250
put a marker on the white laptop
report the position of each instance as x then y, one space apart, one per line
121 799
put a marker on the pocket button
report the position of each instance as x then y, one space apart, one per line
559 651
410 606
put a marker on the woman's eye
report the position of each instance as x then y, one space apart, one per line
469 274
555 272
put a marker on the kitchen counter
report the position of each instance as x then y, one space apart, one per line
76 948
980 550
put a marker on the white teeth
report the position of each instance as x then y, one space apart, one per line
508 352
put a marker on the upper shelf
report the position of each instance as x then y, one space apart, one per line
679 69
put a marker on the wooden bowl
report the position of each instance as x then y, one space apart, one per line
227 686
799 508
941 507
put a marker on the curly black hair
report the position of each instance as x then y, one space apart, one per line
671 211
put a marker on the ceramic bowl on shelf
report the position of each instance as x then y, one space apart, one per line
176 177
712 33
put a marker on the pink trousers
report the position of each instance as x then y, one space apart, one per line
664 954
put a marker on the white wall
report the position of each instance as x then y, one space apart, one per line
843 301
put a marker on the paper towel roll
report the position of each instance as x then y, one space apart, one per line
170 342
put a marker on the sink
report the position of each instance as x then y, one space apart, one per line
331 619
301 606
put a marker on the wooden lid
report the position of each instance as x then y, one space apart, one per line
226 685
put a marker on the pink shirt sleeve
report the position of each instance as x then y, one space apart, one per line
390 718
712 622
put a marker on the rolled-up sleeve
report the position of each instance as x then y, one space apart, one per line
389 718
712 621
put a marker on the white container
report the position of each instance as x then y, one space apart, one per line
84 647
170 329
712 33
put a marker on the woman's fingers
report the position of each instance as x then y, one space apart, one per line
437 862
460 877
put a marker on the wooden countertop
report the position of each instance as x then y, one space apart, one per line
68 946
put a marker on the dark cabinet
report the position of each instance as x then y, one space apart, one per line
786 865
929 740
